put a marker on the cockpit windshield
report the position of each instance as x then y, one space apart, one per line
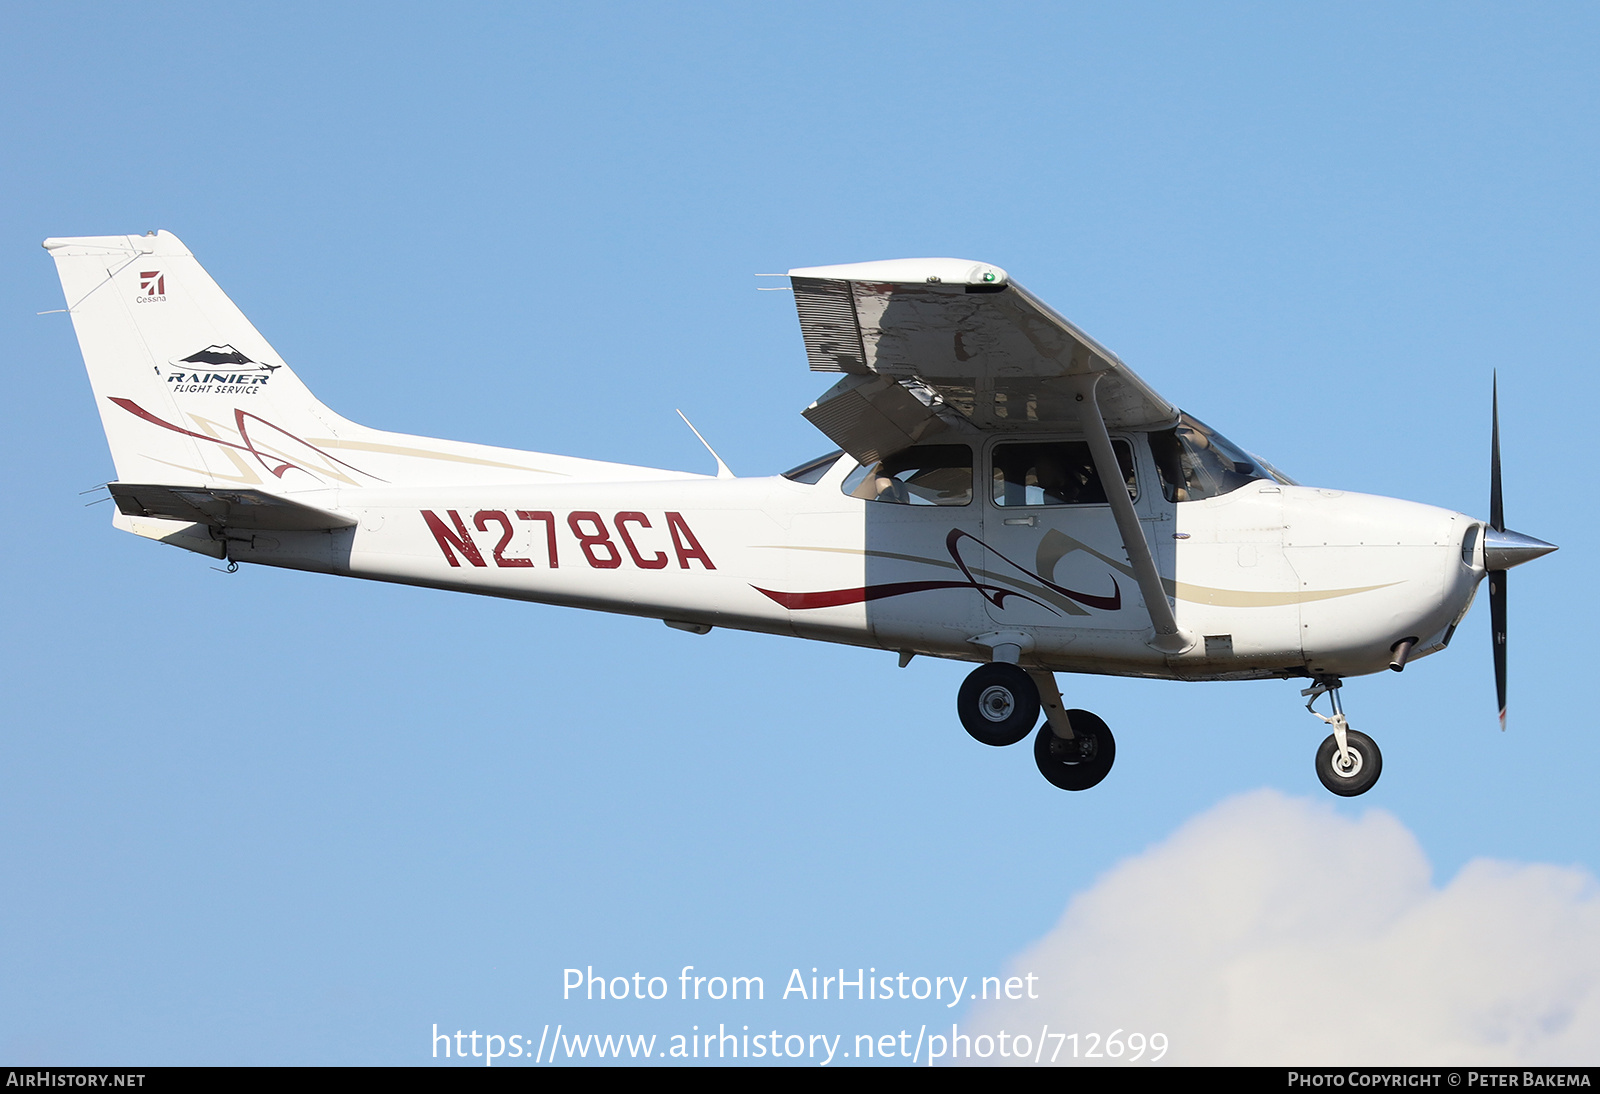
1197 462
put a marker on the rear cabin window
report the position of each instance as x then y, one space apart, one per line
1054 473
927 474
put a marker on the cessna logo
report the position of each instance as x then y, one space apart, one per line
152 287
217 370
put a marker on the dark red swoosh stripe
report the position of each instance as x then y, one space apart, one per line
244 433
1110 603
833 598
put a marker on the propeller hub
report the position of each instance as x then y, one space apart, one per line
1505 549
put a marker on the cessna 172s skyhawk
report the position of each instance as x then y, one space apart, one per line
1007 492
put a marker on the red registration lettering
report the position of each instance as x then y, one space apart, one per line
594 539
549 519
459 539
482 521
685 544
590 542
622 522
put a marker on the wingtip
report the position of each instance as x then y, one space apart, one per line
952 271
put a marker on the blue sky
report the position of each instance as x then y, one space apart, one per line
276 817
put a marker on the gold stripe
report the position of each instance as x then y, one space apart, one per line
425 454
1239 598
1194 594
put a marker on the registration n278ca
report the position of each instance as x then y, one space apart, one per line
1004 490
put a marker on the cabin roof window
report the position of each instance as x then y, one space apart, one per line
925 474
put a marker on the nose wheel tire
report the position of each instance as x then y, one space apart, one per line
1081 762
1358 773
998 704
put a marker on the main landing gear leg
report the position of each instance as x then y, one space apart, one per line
999 704
1055 711
1348 762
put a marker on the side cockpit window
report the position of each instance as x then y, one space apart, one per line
1055 473
927 474
1197 462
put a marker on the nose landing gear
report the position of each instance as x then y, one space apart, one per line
1348 762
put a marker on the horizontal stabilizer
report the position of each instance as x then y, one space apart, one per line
224 508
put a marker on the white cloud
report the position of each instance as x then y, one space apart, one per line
1271 930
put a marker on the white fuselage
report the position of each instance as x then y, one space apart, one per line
1270 579
987 545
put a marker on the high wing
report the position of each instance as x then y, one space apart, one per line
944 346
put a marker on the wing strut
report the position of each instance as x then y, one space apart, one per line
1169 637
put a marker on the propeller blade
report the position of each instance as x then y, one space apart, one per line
1497 622
1502 550
1497 578
1497 515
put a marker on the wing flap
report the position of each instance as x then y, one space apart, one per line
871 417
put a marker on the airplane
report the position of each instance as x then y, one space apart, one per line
1004 490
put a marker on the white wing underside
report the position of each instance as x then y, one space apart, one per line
936 348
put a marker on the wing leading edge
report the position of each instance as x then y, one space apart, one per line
948 346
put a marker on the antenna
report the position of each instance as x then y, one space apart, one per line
722 468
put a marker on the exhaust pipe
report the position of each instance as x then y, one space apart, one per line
1401 651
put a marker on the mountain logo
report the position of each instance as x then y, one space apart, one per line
224 356
221 370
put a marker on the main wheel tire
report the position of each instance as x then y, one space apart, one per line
1366 764
1081 762
998 704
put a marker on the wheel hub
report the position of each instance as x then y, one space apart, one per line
996 703
1080 749
1347 767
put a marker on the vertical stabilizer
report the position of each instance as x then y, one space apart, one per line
191 395
188 390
